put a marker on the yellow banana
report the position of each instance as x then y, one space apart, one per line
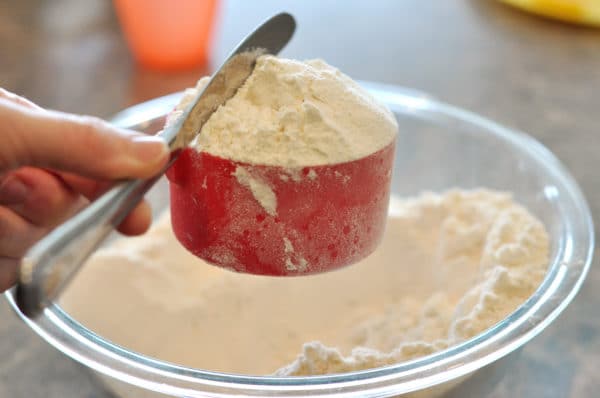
585 12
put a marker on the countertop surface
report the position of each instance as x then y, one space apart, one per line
532 74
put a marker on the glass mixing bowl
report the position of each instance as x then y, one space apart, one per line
439 147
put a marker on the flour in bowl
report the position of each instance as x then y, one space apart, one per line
450 266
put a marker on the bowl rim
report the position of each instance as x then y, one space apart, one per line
560 285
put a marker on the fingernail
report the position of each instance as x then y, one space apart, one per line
13 191
150 149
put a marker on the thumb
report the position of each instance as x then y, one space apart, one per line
80 144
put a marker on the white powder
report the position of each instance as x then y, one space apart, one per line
450 266
261 191
293 262
294 173
287 245
480 239
295 114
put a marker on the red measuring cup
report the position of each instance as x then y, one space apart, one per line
326 216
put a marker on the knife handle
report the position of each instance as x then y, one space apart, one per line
51 263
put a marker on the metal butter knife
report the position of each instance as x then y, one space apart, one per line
50 264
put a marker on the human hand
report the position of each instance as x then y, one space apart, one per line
53 163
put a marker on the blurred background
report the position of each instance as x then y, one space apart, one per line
535 74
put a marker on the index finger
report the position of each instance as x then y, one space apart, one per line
79 144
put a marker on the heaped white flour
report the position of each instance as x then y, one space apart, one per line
295 114
450 266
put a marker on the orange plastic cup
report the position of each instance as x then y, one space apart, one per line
168 35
